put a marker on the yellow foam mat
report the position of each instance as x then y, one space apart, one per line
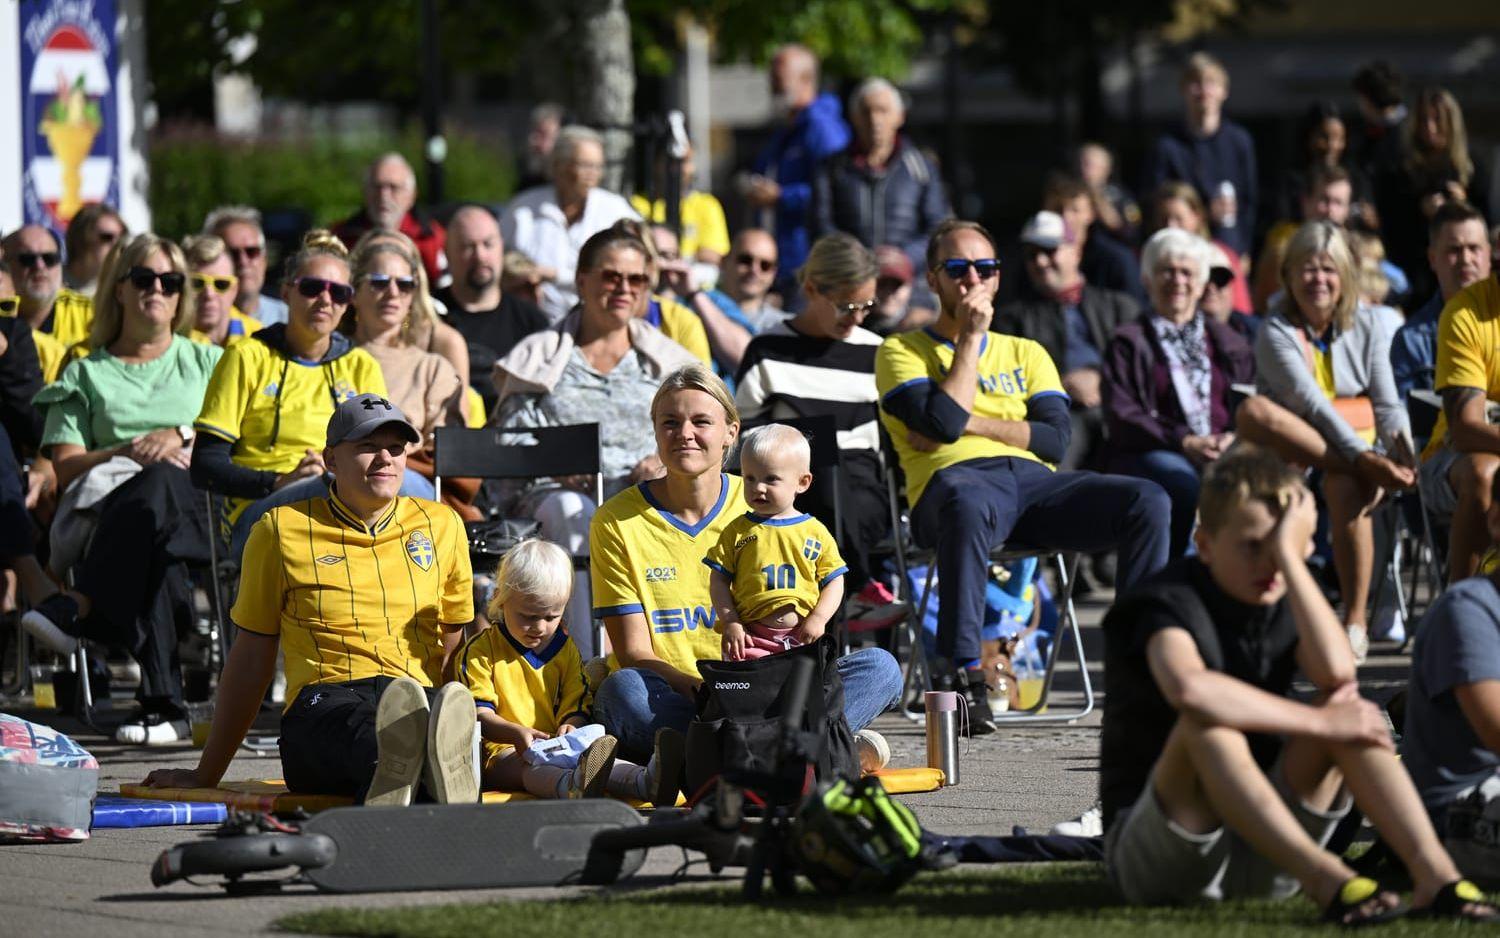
910 780
271 794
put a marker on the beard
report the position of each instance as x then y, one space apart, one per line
480 278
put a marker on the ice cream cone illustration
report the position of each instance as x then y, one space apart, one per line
70 126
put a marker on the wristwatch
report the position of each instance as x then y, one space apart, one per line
185 433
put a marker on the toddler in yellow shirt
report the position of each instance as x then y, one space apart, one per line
777 574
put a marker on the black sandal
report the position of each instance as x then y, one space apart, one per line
1347 908
1451 900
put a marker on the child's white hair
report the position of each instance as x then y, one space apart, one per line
774 440
534 567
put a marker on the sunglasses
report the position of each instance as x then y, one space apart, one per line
846 310
248 253
379 283
215 284
30 258
613 279
1221 277
957 267
313 287
9 305
144 278
750 260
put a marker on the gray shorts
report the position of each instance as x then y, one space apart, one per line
1152 860
1438 496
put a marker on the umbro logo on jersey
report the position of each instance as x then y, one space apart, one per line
661 574
329 560
419 549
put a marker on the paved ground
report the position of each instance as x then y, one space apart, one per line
1031 777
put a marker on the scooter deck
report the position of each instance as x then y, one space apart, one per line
470 846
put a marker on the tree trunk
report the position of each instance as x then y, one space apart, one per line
601 77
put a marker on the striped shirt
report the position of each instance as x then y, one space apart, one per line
786 374
351 601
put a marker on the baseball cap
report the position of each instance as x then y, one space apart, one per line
894 264
1046 230
360 416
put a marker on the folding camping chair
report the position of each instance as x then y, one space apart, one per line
919 669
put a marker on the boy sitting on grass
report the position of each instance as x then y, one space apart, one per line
777 574
527 679
1215 784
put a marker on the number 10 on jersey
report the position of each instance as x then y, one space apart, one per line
783 577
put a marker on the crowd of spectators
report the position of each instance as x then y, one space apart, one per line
1080 403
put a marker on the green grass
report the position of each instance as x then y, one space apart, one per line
1030 901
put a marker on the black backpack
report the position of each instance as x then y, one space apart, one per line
740 707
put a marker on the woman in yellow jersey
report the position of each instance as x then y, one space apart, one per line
391 304
130 519
651 586
261 429
1326 399
601 365
212 272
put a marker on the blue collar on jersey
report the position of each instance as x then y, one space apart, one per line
691 530
777 522
937 337
537 659
343 514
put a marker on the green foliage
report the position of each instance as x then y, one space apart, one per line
854 38
193 173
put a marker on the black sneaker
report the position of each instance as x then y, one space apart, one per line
970 683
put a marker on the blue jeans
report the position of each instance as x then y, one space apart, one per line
1176 474
413 483
633 703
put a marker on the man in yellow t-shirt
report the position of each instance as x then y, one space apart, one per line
978 420
367 594
1459 463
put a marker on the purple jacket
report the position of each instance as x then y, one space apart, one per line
1139 399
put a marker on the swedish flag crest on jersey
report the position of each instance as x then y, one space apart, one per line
419 549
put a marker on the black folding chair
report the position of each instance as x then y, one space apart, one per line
521 453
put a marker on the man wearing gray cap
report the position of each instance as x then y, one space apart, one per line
367 592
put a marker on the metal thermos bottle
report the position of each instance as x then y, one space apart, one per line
942 733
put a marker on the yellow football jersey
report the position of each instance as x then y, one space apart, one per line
772 562
1468 348
645 559
350 601
274 408
1012 371
539 689
72 315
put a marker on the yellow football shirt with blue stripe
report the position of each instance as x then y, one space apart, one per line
1012 371
774 562
351 601
273 409
539 689
644 559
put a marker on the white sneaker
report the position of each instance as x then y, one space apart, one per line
1088 824
401 719
154 729
874 751
450 746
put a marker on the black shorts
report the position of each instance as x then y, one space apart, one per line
328 737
